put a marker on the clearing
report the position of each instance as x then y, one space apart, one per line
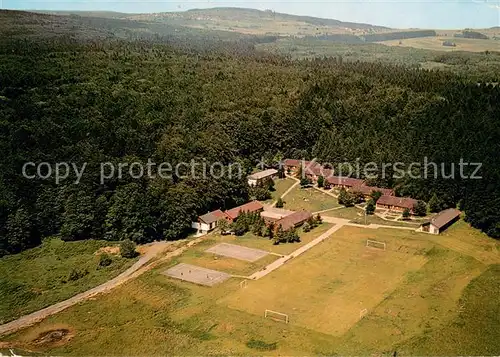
436 43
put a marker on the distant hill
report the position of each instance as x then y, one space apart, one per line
86 26
240 25
259 22
104 14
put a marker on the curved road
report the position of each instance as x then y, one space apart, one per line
135 270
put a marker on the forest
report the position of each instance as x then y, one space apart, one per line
116 100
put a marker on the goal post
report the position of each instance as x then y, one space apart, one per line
363 313
277 316
375 244
243 283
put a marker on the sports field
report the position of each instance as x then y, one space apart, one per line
326 288
423 296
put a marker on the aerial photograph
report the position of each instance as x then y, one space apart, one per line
250 178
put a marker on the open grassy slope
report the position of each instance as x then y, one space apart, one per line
40 277
436 44
423 299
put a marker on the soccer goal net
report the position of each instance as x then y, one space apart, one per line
243 283
277 316
375 244
362 313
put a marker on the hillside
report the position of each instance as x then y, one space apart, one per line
250 24
89 26
258 22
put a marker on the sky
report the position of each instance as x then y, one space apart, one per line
437 14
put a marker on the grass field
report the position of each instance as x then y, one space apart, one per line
38 277
280 186
476 328
423 298
326 288
436 43
199 256
309 199
357 215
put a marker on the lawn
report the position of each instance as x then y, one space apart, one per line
422 299
38 277
309 199
465 240
475 330
154 315
280 187
357 215
252 241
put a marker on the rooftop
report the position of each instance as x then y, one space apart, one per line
344 181
253 206
213 216
403 202
263 174
367 190
293 220
444 217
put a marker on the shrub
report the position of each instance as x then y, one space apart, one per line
105 260
127 249
261 345
77 274
280 203
321 181
370 207
420 209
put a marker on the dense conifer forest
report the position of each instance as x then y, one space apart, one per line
86 101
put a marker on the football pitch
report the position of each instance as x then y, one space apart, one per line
331 287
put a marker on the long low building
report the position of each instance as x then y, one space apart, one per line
273 214
368 190
261 177
344 182
441 221
209 221
294 220
250 207
293 165
393 203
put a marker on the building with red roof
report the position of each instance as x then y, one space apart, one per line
209 221
250 207
396 203
368 190
344 182
292 221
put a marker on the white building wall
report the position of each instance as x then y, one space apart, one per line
433 229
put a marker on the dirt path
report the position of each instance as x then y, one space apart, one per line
144 264
279 262
287 191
